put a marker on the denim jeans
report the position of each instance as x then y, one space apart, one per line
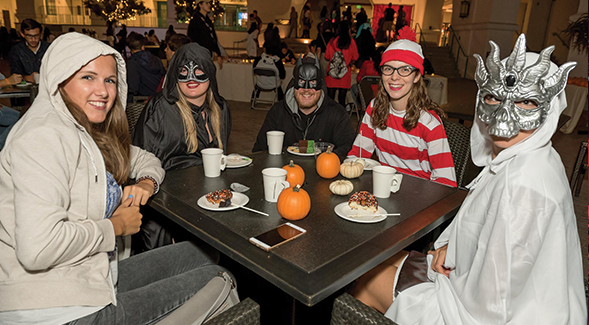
154 283
8 118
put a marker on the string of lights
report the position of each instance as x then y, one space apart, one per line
115 10
185 9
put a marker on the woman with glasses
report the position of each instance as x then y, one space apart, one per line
402 123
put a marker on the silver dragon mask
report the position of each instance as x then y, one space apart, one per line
511 82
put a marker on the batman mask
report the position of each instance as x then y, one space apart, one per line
307 74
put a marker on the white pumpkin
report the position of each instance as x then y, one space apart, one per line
341 187
351 169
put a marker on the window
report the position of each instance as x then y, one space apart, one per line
232 18
51 9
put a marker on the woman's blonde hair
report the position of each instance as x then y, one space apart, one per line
111 136
418 101
190 133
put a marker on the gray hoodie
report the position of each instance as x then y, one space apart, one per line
53 236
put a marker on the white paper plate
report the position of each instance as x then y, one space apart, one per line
237 201
370 163
360 216
25 85
236 161
320 147
295 151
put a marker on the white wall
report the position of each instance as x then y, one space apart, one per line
9 5
581 58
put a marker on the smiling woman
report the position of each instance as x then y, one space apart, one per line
187 116
93 88
402 123
65 198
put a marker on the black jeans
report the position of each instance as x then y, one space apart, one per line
155 283
341 95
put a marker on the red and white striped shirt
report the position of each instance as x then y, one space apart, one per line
424 151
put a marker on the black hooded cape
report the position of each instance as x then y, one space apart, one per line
160 130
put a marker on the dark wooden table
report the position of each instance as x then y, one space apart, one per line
15 92
333 252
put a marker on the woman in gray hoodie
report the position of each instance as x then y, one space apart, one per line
64 199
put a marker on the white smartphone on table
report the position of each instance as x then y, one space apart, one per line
277 236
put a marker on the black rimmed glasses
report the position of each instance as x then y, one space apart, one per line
403 71
29 36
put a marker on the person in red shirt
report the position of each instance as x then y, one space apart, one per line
402 124
347 46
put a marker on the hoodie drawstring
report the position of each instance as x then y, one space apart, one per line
91 158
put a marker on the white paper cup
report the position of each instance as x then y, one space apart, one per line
213 161
385 180
37 77
275 139
274 183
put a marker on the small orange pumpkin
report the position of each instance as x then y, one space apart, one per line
293 203
295 174
327 164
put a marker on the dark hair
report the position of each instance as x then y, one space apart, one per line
151 32
177 41
344 40
29 24
169 33
255 11
46 34
283 45
253 27
135 41
323 12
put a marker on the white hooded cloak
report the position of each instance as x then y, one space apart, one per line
513 247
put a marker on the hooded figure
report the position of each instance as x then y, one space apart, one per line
513 252
164 128
59 199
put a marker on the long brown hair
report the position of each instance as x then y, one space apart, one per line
190 134
418 101
111 136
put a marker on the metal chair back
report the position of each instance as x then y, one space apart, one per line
265 80
133 111
459 140
366 94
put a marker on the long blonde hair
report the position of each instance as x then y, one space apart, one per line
111 136
418 101
190 133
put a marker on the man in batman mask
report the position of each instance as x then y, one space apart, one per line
307 114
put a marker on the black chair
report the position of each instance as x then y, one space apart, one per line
347 310
459 140
133 111
579 170
265 80
365 95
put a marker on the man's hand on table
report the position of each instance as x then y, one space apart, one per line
31 78
12 80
